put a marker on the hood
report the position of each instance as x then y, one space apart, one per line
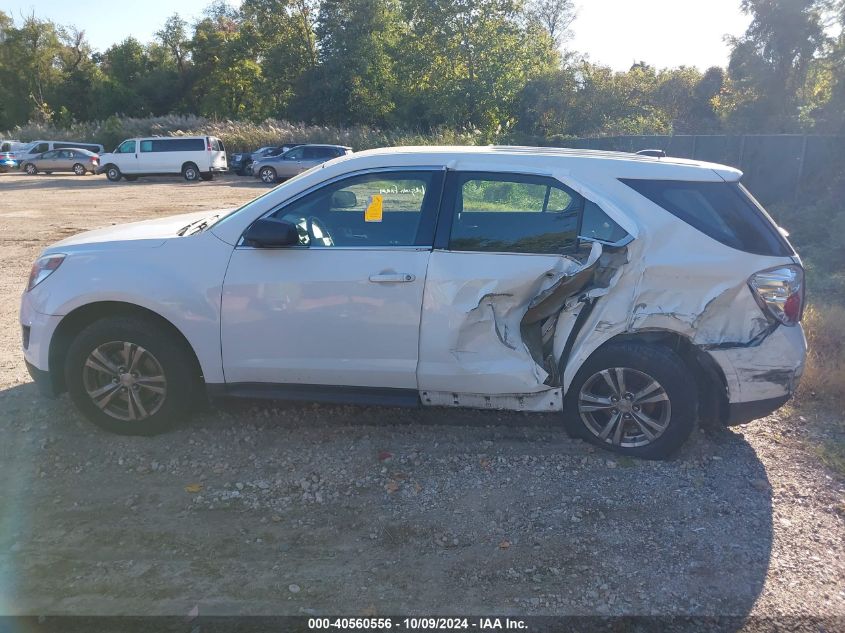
148 233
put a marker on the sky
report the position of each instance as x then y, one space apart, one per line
616 33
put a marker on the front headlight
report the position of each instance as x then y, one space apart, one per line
43 268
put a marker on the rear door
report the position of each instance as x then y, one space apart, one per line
501 240
218 154
342 309
65 160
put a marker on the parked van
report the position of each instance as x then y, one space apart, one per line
36 148
195 157
10 146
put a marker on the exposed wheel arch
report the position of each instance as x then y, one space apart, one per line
75 321
713 390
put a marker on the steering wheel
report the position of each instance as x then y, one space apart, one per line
318 232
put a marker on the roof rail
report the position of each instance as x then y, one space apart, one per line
657 153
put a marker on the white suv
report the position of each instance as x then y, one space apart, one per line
635 295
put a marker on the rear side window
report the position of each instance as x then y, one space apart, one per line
721 210
178 145
514 213
319 152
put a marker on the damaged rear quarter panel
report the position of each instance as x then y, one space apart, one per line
677 280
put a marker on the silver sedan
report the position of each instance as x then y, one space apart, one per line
79 161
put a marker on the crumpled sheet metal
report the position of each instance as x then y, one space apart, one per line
486 309
490 336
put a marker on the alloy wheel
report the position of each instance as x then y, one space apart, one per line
268 175
624 407
124 380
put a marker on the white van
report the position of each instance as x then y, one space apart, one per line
36 148
195 157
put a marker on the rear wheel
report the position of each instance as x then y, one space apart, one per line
633 398
113 173
130 376
30 169
79 169
268 175
190 172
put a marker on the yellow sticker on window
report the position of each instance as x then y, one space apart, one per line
375 208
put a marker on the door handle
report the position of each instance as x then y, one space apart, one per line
394 278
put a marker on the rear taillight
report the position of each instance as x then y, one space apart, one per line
208 145
780 292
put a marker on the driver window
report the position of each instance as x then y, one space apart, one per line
126 147
381 209
50 154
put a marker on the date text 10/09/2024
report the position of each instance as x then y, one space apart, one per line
418 624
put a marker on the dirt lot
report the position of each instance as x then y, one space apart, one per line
276 509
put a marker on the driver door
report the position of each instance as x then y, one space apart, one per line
342 308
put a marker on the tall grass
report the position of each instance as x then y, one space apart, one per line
824 375
241 135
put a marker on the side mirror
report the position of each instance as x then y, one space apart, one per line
344 199
271 233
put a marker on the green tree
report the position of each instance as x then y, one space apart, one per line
769 63
466 61
355 80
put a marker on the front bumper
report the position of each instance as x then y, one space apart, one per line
38 330
42 379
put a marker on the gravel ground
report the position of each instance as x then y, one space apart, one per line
277 509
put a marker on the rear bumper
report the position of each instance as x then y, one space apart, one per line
742 412
766 371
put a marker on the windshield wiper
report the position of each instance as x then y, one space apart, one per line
198 227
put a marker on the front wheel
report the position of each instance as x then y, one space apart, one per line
79 169
30 169
113 173
633 398
128 375
268 175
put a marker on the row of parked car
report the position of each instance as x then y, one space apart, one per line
193 157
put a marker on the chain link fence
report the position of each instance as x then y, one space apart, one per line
777 167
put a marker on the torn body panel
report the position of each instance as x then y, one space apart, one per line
498 310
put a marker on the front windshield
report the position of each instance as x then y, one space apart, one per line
274 191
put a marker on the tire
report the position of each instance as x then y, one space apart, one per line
653 426
79 169
30 169
206 176
190 172
162 385
267 175
113 173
